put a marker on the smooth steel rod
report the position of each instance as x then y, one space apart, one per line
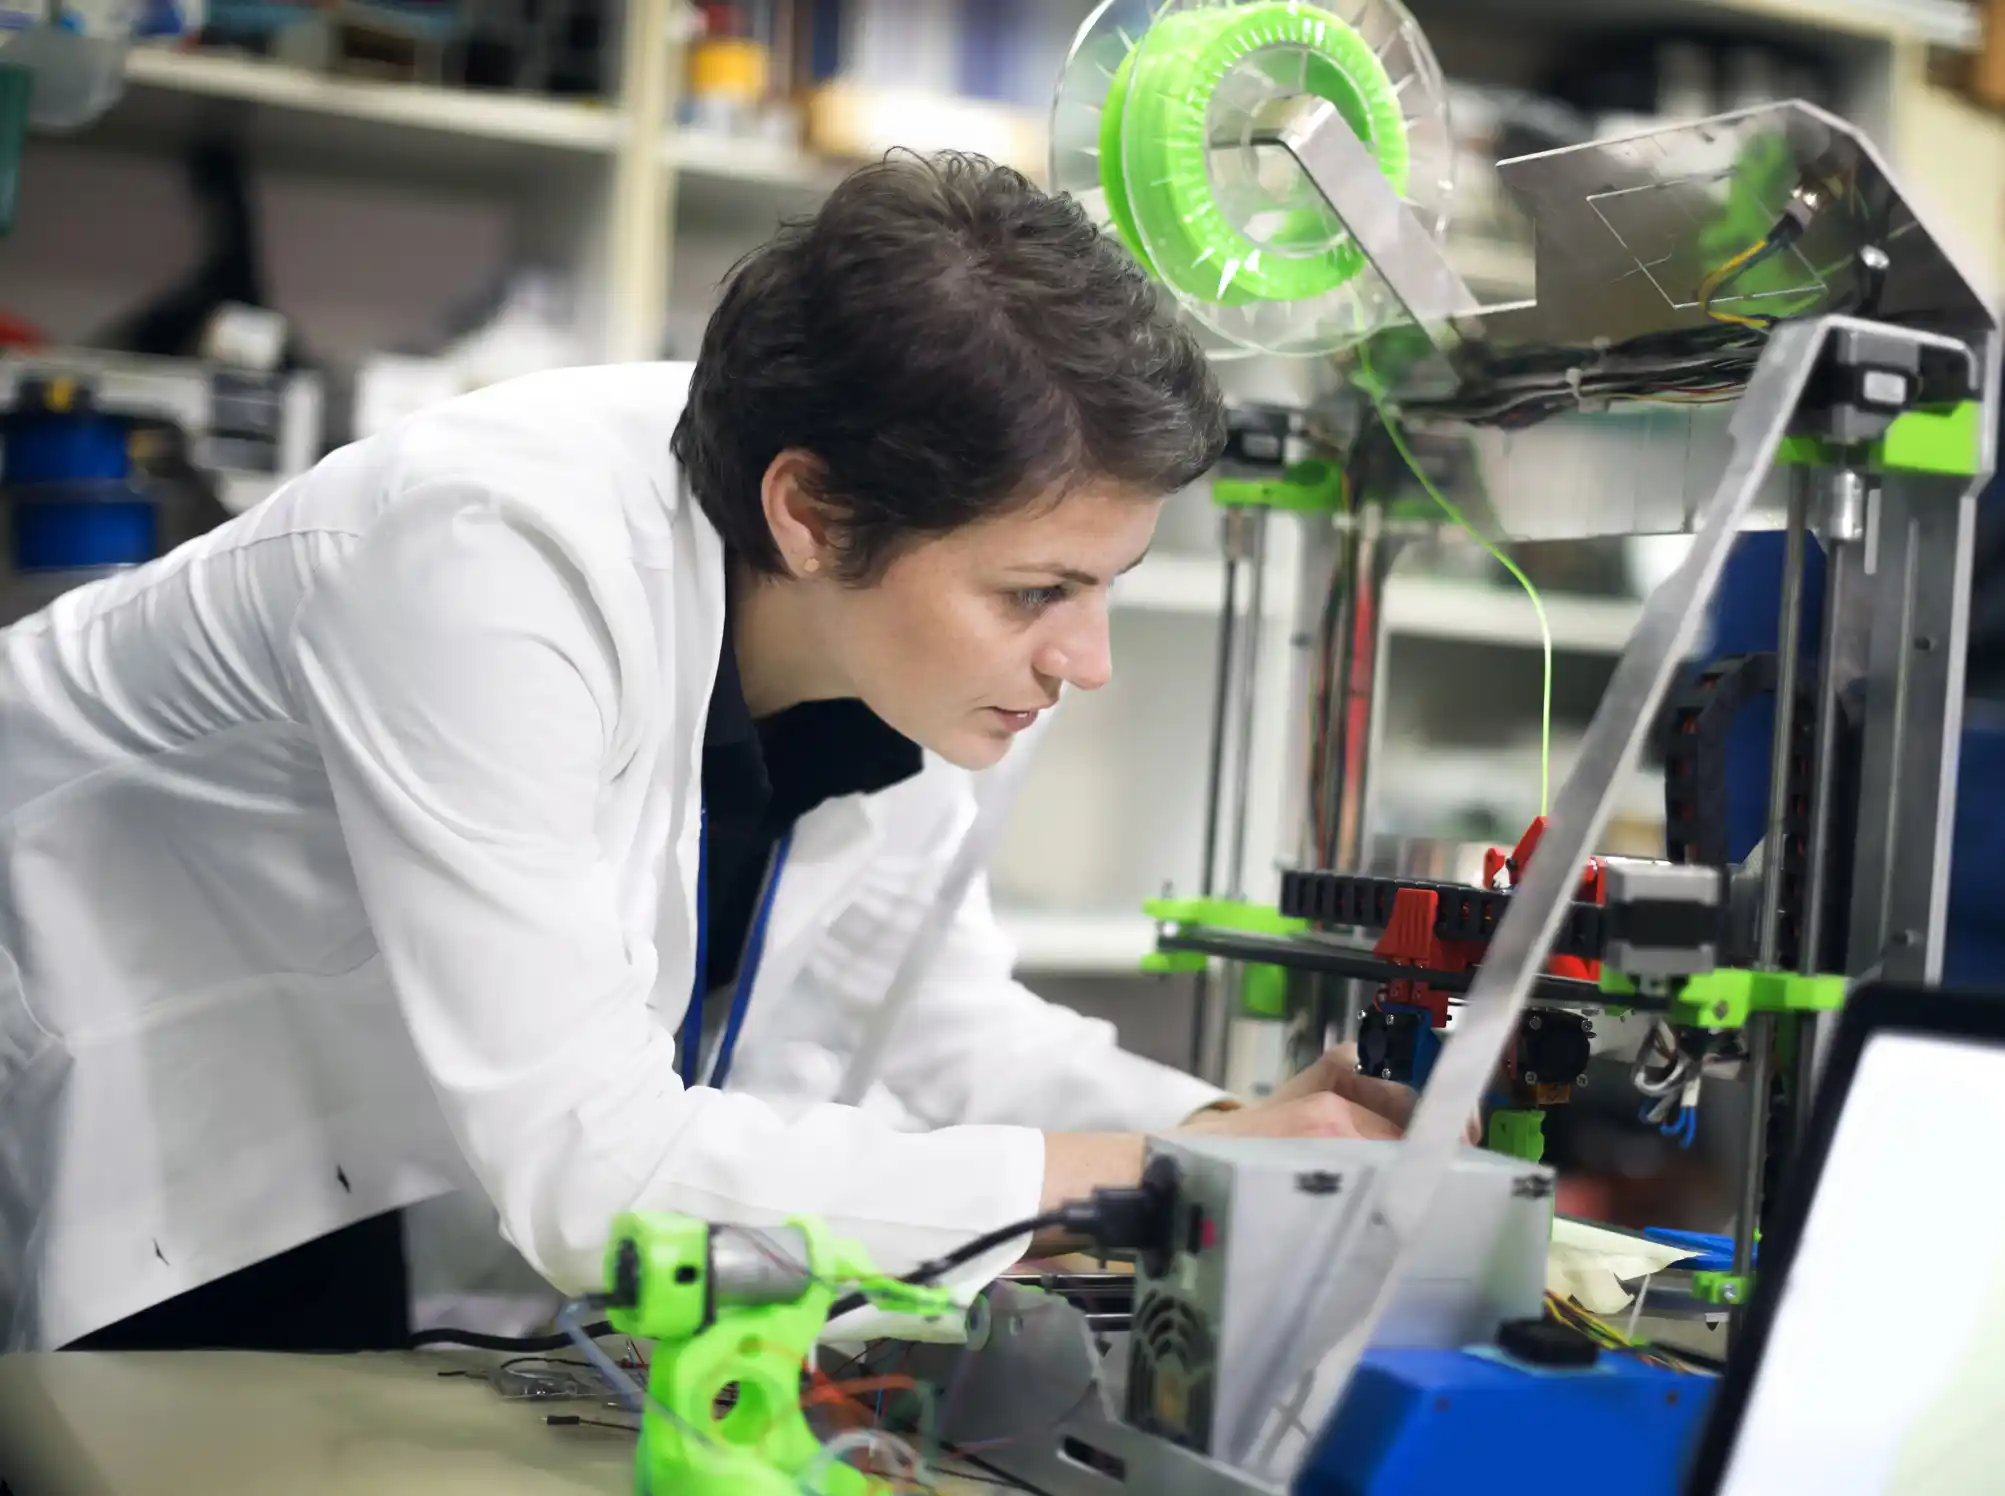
1774 854
1248 686
1232 526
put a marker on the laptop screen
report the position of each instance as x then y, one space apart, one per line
1884 1372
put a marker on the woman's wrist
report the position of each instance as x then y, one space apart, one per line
1078 1163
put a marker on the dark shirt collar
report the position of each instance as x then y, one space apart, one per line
730 719
796 759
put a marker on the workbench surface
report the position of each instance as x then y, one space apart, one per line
236 1424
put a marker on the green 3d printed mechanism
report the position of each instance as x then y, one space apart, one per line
734 1314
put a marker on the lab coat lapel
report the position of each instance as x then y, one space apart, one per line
690 649
833 845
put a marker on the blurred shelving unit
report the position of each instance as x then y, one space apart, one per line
452 185
406 116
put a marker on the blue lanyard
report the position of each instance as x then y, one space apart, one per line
748 965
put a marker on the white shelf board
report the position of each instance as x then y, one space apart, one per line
1940 23
1096 944
1169 583
1422 606
1445 608
518 118
747 161
1945 23
358 127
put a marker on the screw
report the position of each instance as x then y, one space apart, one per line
1534 1022
1731 1293
1906 938
1531 1077
1386 1073
1583 1079
1924 642
1719 1010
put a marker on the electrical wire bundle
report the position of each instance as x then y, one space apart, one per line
1668 1074
1607 1337
1684 366
1696 366
1331 697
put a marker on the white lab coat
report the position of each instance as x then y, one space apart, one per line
349 852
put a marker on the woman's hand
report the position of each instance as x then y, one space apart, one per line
1327 1100
1337 1073
1321 1114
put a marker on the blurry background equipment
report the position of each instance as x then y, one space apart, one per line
109 462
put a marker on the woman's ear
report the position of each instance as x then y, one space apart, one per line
790 495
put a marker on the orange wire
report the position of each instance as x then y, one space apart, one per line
836 1391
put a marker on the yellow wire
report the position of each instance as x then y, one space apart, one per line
1371 387
1712 284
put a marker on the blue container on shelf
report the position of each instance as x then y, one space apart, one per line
80 527
66 481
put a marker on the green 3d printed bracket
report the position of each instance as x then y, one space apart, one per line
1517 1134
1263 990
1724 1289
760 1444
1948 442
1725 999
1309 487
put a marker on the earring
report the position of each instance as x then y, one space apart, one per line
811 565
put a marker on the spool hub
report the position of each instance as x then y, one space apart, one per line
1153 131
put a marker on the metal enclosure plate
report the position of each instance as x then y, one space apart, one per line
1625 232
1626 229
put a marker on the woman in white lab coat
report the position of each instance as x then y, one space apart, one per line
485 811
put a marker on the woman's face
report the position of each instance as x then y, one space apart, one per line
966 638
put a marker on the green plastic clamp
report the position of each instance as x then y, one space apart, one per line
1518 1134
1311 486
1948 441
1263 989
1725 999
1727 1289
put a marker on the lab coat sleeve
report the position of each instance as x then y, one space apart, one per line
977 1046
465 676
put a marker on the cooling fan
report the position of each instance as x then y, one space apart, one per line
1154 129
1172 1364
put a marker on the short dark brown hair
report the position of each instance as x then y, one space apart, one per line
949 342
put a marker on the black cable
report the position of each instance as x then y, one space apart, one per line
573 1420
1135 1218
514 1361
527 1344
980 1479
939 1267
